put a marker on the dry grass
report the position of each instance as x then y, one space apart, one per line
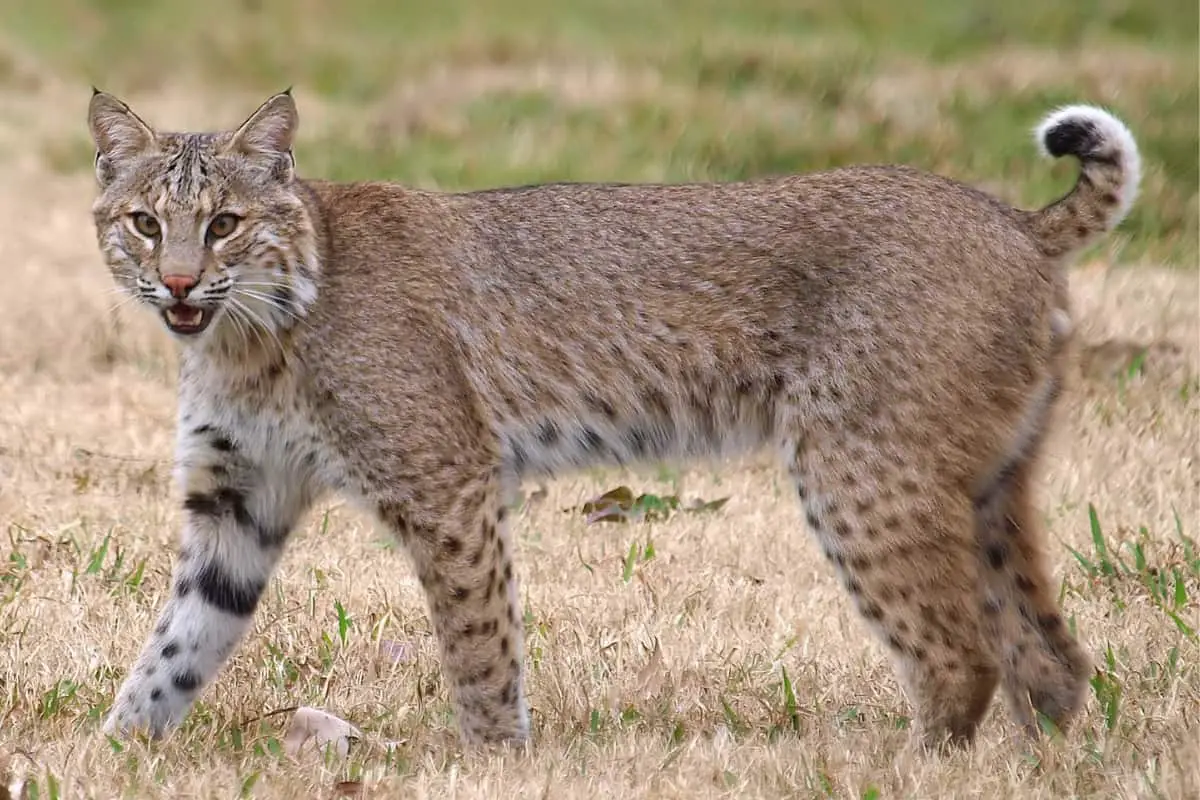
666 676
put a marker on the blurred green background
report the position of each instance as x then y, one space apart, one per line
469 93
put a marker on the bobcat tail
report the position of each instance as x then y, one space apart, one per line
1108 179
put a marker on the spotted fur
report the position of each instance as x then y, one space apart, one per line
899 337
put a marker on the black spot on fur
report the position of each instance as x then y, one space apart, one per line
202 503
638 440
285 296
547 434
187 681
1049 622
170 650
222 443
872 611
221 590
592 440
156 695
601 405
232 502
997 554
519 460
225 500
860 563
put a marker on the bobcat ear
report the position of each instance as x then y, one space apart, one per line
117 132
269 131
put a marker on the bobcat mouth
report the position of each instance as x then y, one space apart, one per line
187 320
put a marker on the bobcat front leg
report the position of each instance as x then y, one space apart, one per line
236 524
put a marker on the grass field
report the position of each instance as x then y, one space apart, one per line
704 655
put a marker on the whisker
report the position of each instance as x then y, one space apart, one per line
255 288
270 329
239 327
241 311
259 324
266 284
124 298
274 303
259 285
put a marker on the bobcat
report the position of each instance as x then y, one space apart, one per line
899 337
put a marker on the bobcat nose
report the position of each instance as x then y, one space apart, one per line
180 285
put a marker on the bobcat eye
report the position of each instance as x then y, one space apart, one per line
146 225
221 226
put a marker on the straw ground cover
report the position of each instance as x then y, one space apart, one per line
709 653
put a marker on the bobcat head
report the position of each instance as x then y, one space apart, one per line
208 229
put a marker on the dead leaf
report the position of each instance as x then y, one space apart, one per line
613 505
348 789
323 727
622 505
700 506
